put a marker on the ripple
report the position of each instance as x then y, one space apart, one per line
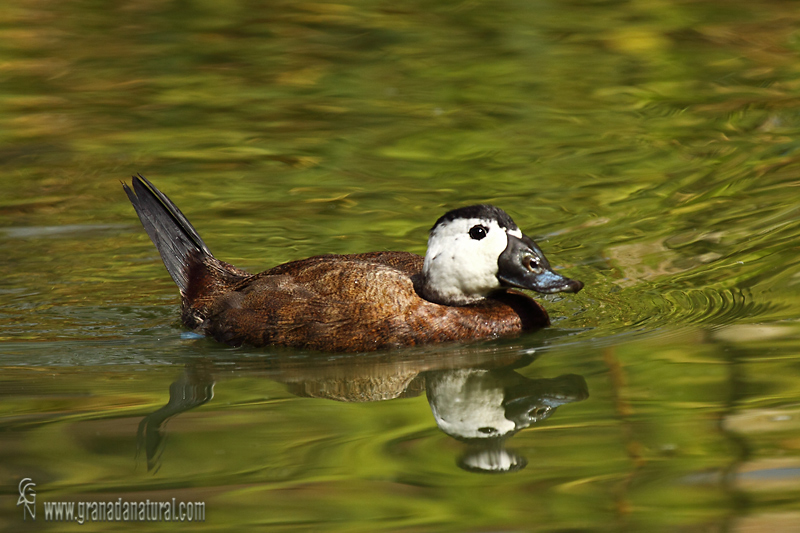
716 306
634 311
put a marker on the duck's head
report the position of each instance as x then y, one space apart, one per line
476 250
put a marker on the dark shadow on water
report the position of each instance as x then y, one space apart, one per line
476 396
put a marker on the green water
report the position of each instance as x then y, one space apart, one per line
650 147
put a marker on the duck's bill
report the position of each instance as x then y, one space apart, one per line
532 401
523 265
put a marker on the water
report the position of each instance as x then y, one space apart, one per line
650 147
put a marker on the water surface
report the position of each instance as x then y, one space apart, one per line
650 148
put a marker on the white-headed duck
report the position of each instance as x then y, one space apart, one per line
360 302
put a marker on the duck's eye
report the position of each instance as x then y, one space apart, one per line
478 232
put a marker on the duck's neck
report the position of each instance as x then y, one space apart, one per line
444 294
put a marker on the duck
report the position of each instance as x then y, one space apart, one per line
463 290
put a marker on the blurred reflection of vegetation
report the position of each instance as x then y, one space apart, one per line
651 145
696 429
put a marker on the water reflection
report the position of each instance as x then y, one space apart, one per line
484 407
193 388
476 397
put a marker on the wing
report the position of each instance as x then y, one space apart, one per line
330 303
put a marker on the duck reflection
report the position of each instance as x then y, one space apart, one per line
483 408
192 389
476 396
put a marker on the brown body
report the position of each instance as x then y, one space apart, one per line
340 303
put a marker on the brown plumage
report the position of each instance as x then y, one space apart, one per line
349 303
359 302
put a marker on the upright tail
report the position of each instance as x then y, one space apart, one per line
175 238
200 276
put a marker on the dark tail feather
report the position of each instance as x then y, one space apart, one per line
174 236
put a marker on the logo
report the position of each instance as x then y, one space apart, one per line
27 496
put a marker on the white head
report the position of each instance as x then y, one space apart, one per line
476 250
468 403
